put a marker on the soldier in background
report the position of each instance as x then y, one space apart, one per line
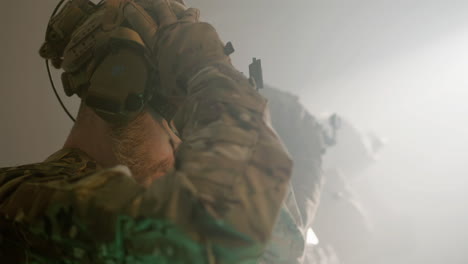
325 201
352 218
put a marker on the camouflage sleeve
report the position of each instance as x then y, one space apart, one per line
218 206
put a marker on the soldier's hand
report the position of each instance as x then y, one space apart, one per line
183 46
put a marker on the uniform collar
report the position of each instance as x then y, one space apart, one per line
75 157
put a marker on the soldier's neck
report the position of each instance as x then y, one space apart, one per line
90 134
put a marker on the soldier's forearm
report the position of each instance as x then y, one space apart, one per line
230 153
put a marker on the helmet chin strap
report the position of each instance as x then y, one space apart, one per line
56 93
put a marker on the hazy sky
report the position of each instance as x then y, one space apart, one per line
396 67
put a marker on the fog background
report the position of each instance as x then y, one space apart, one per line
398 68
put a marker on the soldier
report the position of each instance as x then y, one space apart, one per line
343 221
137 181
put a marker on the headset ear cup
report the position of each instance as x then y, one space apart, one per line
119 86
119 76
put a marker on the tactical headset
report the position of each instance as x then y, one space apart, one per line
105 52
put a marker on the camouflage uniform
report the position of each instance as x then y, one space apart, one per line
218 206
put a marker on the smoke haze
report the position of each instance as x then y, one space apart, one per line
397 68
